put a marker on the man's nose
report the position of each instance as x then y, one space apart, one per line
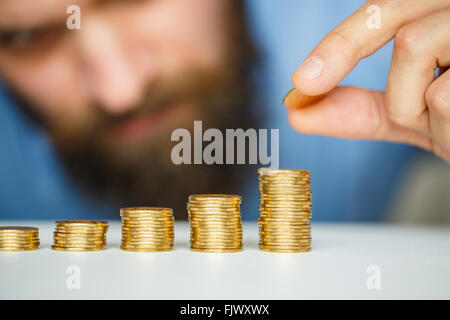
110 76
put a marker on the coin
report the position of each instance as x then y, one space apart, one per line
147 229
80 235
215 222
18 238
285 210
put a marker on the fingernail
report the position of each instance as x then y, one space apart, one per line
310 69
288 94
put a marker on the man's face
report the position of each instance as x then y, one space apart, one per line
123 50
111 93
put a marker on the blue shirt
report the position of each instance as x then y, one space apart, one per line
351 180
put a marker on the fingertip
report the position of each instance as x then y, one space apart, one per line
307 87
287 97
295 99
310 77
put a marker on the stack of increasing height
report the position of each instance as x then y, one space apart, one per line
215 221
147 229
80 235
285 210
19 238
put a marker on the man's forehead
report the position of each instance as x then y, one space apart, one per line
29 13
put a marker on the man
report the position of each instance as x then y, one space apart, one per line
110 93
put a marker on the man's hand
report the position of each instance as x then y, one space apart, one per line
416 106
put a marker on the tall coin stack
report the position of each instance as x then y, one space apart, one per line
285 210
80 235
147 229
215 221
19 238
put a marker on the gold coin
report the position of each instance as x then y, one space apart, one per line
79 241
159 217
215 215
18 241
18 248
288 185
144 249
284 230
274 217
287 240
81 222
275 224
148 243
219 223
146 227
206 217
215 223
79 235
217 236
283 221
284 250
18 228
216 250
16 244
214 202
19 237
206 196
275 244
57 248
155 222
19 234
306 246
213 211
282 171
74 232
298 232
144 237
146 210
138 231
216 244
133 228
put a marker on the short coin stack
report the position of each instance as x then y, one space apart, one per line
147 229
285 210
80 235
19 238
215 221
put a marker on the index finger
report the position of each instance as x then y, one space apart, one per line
356 38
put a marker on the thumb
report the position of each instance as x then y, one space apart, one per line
349 112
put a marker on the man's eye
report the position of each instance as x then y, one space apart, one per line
27 39
18 38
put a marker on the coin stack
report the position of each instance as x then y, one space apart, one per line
216 224
285 210
80 235
147 229
19 238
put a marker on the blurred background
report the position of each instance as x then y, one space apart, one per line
86 115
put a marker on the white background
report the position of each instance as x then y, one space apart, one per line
414 263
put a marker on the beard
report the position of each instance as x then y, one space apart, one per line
140 172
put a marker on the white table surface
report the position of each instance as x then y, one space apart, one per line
414 262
